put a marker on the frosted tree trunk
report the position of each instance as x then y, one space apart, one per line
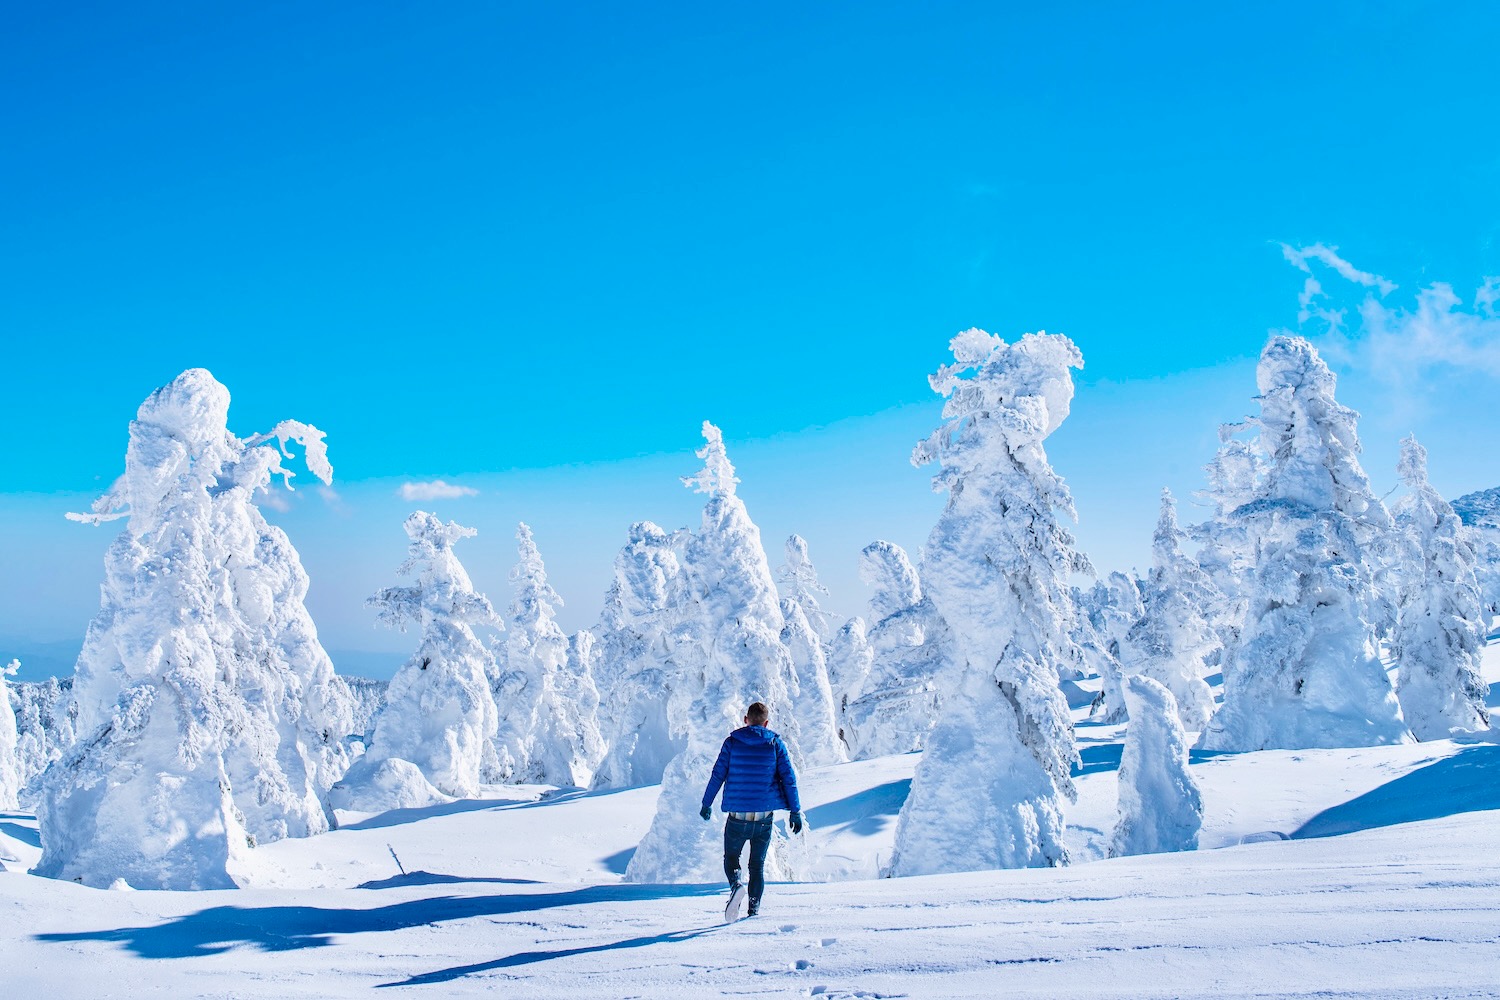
995 775
1161 808
1306 671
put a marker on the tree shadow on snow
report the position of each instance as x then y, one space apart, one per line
18 831
619 861
529 957
1468 781
864 813
291 928
432 878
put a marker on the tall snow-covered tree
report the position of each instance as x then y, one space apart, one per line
910 648
1440 631
1172 639
209 716
990 789
1161 809
1306 671
812 696
547 731
636 669
10 775
45 713
439 715
849 661
729 653
1113 608
799 581
1480 514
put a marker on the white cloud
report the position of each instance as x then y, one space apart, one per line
435 490
1405 348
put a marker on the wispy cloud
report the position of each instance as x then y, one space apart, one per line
435 490
1403 347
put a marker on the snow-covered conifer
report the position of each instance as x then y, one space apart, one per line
1161 809
812 696
204 702
438 714
1439 637
1306 672
1170 642
910 647
548 732
636 670
729 654
990 789
1480 513
799 581
45 713
1113 607
10 775
849 661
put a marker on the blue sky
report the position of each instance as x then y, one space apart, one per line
530 247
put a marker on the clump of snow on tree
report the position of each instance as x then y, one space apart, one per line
1306 671
1171 641
1161 808
909 648
729 653
549 727
1440 631
439 716
994 777
636 670
208 715
10 774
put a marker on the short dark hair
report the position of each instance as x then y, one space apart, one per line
757 714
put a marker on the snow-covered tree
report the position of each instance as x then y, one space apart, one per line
990 789
209 717
1113 607
10 775
636 670
1440 633
549 727
799 581
1480 513
1161 809
45 713
812 697
728 649
1171 641
439 714
910 648
1226 551
1306 672
849 661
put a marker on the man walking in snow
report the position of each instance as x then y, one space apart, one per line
757 777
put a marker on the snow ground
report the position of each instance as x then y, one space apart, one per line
1332 873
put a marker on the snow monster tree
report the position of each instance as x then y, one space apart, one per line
990 789
1306 671
209 716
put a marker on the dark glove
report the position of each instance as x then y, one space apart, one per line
795 822
707 812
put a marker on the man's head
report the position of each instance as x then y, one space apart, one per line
757 714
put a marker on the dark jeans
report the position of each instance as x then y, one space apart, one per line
758 833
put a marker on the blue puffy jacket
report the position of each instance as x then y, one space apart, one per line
755 772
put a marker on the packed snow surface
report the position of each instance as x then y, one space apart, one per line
1369 872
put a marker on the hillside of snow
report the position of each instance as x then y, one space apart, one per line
1360 872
